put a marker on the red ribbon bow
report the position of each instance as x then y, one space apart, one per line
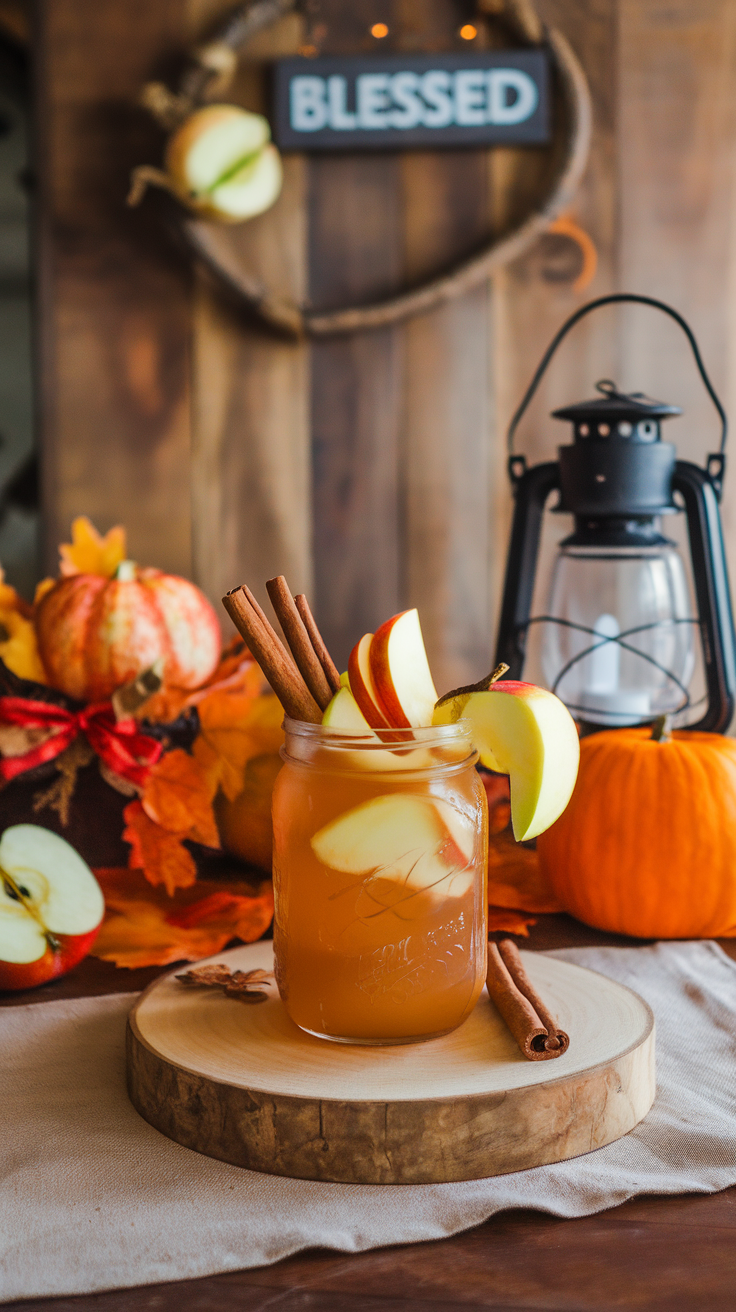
117 742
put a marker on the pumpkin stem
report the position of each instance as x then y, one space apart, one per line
661 729
125 572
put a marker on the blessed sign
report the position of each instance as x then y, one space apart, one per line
405 101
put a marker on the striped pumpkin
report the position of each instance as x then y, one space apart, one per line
95 633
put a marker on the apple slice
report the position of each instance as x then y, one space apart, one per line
344 714
363 687
221 162
401 673
527 733
401 840
51 907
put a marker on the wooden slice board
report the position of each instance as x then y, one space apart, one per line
244 1084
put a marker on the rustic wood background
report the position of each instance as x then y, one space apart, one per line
369 469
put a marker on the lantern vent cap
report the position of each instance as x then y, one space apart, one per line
614 406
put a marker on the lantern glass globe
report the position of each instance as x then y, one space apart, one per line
618 644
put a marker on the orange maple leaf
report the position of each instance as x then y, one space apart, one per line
158 852
91 553
504 920
515 878
178 796
236 728
237 672
144 927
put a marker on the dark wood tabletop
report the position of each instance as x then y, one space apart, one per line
675 1254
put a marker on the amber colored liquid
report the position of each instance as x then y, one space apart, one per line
371 958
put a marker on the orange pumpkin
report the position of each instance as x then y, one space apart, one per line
647 845
96 633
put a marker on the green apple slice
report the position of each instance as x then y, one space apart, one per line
527 733
344 714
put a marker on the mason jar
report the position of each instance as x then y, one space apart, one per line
380 868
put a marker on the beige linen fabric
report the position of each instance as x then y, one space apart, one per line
91 1197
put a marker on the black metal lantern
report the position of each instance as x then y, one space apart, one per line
619 634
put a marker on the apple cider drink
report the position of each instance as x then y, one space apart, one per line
380 854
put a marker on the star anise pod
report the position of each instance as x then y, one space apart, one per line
240 984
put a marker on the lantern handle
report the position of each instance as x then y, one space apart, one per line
715 463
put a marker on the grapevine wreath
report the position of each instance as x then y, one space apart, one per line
210 69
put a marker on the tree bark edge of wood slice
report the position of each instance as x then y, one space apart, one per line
309 1125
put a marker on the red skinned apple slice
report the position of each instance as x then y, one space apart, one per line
401 673
404 843
527 733
363 687
51 907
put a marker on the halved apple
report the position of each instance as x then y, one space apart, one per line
401 674
51 907
223 164
363 687
403 841
527 733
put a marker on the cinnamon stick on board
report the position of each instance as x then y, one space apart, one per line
328 665
271 655
299 641
529 1019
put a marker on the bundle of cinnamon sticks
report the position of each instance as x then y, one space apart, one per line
532 1024
304 678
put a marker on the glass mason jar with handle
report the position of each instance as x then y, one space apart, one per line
380 863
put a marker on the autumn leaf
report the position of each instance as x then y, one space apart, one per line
89 552
145 927
18 645
515 878
178 796
235 729
503 920
237 672
158 852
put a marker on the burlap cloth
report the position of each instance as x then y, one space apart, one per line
91 1197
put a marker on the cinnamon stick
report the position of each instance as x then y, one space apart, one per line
332 674
271 655
299 641
532 1024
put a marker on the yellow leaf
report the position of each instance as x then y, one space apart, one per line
89 552
42 588
18 647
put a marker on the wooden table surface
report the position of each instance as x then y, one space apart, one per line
665 1254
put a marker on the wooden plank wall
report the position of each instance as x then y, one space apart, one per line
370 469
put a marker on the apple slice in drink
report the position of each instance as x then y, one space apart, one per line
404 844
401 673
363 687
344 716
527 733
51 907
